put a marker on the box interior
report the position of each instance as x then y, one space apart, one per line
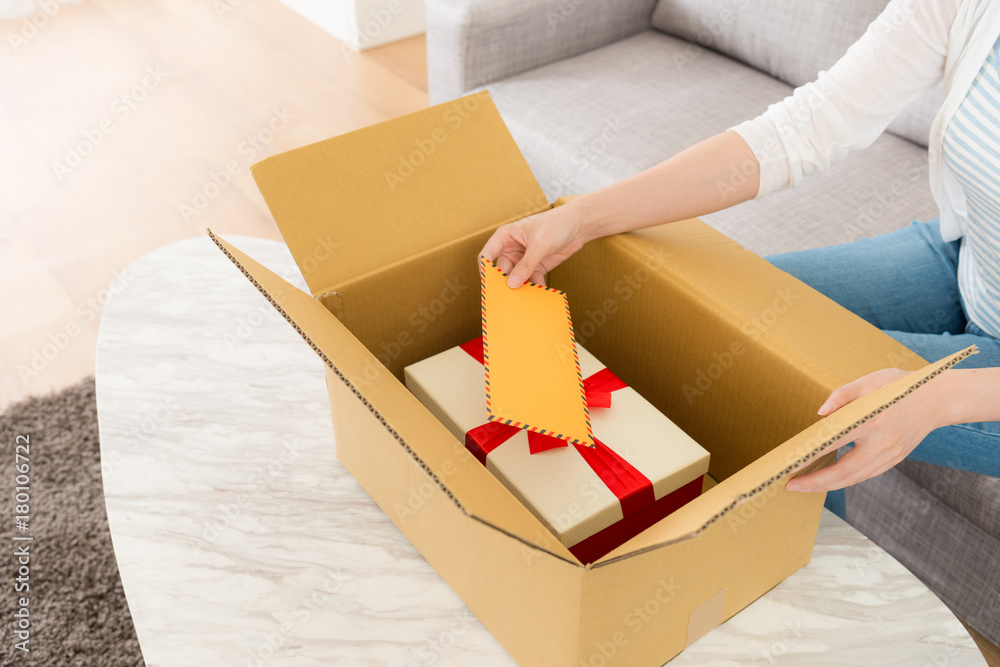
700 356
737 353
428 444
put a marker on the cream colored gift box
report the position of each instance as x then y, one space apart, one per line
558 485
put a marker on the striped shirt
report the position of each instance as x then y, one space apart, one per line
972 152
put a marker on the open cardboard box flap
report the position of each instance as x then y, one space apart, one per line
395 213
455 164
474 489
779 464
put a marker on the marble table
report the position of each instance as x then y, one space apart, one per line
242 541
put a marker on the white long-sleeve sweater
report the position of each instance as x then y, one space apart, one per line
906 51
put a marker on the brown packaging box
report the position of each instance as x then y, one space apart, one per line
385 224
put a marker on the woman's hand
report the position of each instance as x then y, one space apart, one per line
882 442
529 248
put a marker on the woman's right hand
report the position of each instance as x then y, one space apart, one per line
528 248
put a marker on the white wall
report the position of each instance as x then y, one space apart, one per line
15 9
363 24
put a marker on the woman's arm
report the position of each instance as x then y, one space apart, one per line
711 175
900 57
955 397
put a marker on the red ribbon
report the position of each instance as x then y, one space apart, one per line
631 487
599 386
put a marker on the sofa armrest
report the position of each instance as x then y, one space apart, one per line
471 43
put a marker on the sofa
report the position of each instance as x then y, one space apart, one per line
596 91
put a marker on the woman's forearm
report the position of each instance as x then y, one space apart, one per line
971 395
711 175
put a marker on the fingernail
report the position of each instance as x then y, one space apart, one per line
795 486
511 283
826 407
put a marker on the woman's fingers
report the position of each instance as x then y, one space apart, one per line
854 390
505 263
494 246
841 396
876 442
538 277
843 442
865 460
516 251
528 248
528 267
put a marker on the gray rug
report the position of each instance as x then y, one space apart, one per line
77 609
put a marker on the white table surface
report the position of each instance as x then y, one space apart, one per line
241 540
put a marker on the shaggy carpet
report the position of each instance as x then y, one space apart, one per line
76 607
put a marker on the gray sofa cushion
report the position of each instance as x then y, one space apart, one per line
588 121
904 516
789 39
473 42
974 497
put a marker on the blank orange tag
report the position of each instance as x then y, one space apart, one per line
532 369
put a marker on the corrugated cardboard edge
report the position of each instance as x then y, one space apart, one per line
371 408
485 265
807 458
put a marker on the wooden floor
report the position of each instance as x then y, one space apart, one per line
115 113
990 651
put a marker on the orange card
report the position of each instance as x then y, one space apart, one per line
532 369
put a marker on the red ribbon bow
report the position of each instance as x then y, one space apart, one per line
631 487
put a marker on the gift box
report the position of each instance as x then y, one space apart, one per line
641 468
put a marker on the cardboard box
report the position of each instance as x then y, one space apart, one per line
558 485
386 224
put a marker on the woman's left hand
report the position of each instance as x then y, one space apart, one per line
880 443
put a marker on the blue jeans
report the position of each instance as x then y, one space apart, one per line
905 283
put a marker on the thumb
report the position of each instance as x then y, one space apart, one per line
845 394
533 255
